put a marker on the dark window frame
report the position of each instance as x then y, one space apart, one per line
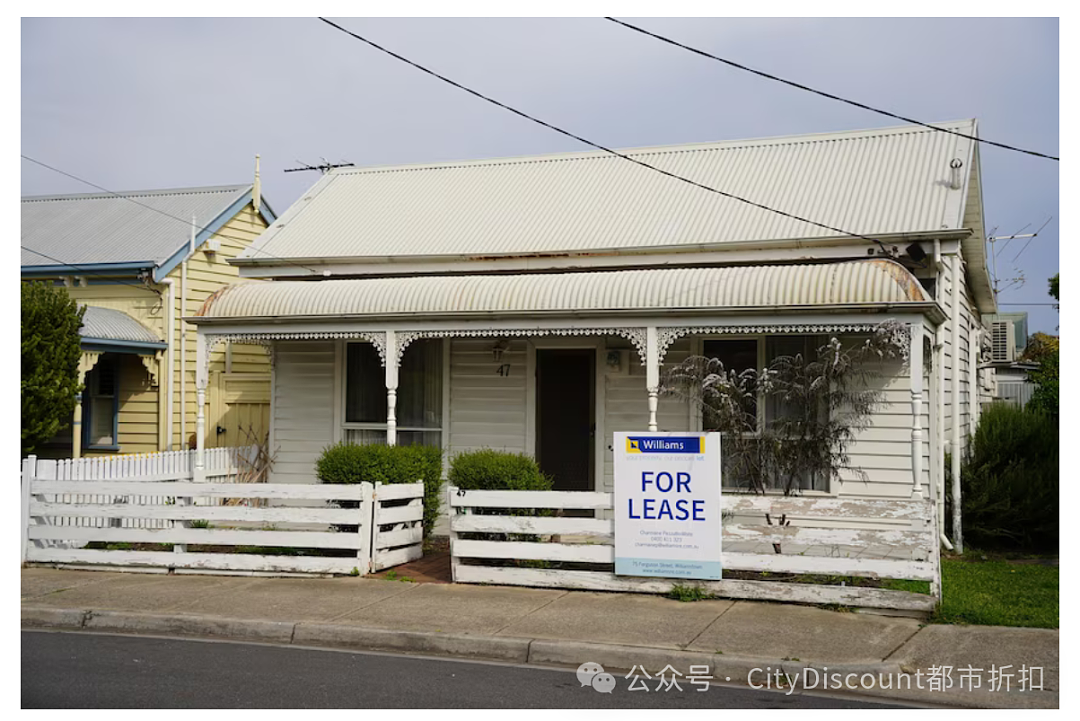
811 343
363 355
111 363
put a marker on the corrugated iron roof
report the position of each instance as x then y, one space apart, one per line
87 229
871 182
115 325
848 283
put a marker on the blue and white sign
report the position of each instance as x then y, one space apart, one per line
667 505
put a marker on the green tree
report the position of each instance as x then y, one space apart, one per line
1039 347
50 361
1045 397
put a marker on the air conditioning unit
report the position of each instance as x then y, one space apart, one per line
1004 341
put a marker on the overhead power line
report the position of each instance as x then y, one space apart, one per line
187 222
822 93
598 146
88 271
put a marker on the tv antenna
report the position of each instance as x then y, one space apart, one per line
1019 280
324 167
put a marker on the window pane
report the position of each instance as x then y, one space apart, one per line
106 378
420 438
365 385
797 348
102 387
365 436
788 414
369 437
736 355
101 426
420 385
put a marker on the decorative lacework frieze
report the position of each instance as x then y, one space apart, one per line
152 363
635 335
667 335
266 340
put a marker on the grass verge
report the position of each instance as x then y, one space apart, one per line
993 593
998 593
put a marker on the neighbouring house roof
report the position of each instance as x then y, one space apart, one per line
73 233
866 283
109 327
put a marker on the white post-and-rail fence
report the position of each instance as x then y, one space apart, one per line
158 502
583 546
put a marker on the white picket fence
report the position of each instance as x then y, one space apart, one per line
909 541
159 503
222 465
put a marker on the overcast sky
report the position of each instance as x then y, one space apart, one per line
132 103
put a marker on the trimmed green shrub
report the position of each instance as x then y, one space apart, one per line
1009 481
350 463
491 470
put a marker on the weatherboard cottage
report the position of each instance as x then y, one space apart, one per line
531 304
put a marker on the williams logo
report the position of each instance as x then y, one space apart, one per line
673 444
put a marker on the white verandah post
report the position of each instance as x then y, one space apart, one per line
391 387
652 373
201 360
915 364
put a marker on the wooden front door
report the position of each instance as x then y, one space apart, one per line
565 424
239 409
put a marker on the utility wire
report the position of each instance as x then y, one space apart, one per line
159 212
605 149
83 269
822 93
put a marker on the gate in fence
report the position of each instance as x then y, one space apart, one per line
498 537
149 513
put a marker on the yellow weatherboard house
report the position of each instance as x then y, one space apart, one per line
140 262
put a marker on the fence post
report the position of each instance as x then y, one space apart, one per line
29 474
367 528
451 491
935 550
184 473
376 507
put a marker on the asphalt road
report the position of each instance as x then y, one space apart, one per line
75 670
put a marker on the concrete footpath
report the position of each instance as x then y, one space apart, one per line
741 642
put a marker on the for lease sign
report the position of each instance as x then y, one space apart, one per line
667 505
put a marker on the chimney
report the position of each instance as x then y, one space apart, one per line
256 191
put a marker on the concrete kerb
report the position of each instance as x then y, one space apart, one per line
567 654
732 669
194 626
492 648
38 617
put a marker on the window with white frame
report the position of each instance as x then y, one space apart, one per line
741 354
419 395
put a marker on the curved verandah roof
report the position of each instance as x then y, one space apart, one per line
108 329
872 284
